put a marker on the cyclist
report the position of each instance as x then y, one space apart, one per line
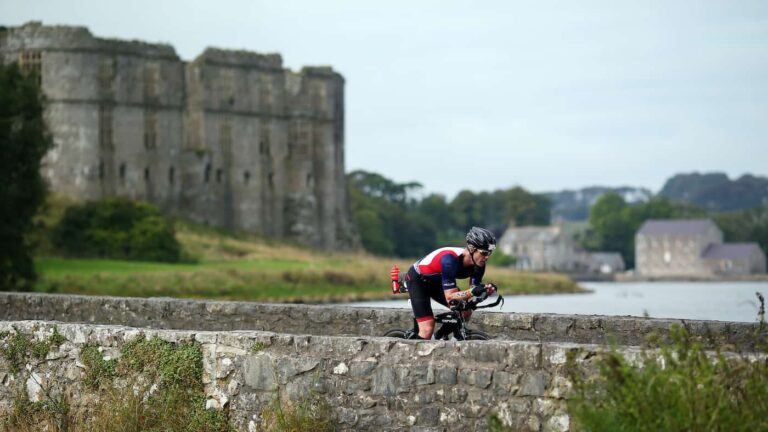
434 277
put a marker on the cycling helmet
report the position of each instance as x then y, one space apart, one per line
481 238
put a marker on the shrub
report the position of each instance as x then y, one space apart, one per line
116 228
678 387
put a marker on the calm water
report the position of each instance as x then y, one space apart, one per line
724 301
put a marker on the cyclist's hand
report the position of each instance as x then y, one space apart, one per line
478 290
491 288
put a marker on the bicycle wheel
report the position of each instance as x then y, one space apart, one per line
477 335
397 333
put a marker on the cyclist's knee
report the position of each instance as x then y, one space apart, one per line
426 327
466 314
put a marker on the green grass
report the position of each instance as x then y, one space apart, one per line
242 266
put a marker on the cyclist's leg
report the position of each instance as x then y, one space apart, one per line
421 305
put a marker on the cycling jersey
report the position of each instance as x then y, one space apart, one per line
443 266
430 276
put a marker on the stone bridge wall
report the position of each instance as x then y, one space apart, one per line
336 320
253 353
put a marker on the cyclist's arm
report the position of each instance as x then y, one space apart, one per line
450 265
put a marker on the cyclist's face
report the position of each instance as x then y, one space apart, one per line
480 257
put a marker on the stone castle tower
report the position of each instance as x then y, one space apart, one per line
231 139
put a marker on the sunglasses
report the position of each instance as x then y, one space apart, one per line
485 252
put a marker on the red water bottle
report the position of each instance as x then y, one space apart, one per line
395 276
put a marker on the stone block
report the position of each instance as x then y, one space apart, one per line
534 383
260 373
478 378
446 375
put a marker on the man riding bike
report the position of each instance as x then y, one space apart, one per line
434 277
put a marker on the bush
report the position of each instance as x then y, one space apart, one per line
679 387
116 228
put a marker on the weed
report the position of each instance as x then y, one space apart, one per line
312 413
258 347
677 387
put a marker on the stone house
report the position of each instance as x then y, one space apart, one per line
692 248
542 248
230 139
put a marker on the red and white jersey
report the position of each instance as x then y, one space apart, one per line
443 266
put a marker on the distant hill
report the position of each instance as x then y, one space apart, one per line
574 205
716 192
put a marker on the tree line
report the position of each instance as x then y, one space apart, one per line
394 220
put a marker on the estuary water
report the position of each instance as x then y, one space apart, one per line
722 301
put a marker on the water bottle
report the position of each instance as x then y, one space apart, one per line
395 276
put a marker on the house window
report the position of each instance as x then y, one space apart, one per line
667 257
31 63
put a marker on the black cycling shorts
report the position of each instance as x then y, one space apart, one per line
421 292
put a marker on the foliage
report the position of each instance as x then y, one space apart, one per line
23 143
393 222
679 387
17 348
745 226
614 223
716 192
312 413
160 388
116 228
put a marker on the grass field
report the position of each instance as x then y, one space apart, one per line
242 266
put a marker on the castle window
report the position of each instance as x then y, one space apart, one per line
171 175
246 177
122 171
106 75
101 169
146 174
225 137
219 175
151 80
265 92
150 130
271 180
31 63
105 127
228 87
309 180
207 173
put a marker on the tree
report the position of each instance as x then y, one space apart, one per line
23 143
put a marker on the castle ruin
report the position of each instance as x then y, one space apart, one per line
231 139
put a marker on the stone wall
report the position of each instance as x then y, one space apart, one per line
181 314
230 139
371 383
254 353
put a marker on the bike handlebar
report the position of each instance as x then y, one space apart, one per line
456 305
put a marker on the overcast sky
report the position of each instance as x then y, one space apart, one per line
486 95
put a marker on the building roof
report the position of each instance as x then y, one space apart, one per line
675 226
729 251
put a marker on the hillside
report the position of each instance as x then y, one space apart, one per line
716 192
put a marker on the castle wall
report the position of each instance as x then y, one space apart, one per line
230 139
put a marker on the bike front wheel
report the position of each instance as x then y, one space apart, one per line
398 333
477 335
